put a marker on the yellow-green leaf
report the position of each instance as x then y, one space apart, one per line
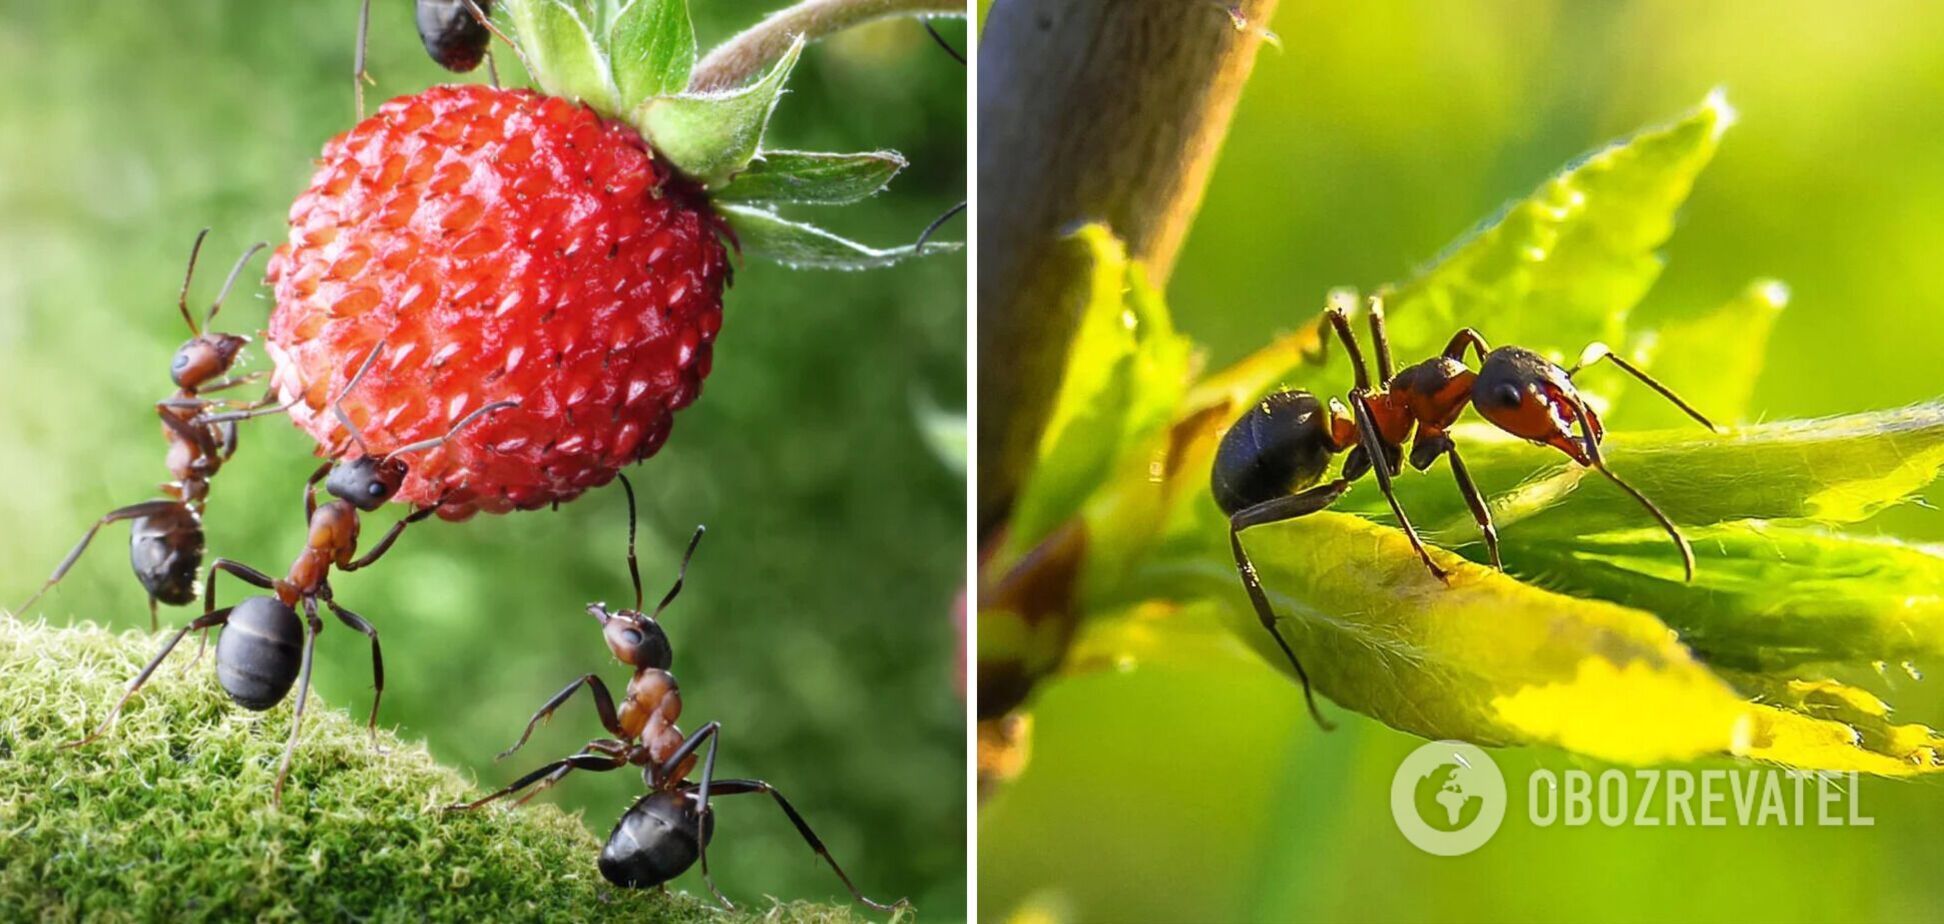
1493 660
1765 595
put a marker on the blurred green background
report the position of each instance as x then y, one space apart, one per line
1380 133
816 623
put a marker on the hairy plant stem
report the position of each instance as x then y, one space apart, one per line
734 62
1089 110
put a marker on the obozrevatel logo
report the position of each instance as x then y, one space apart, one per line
1448 798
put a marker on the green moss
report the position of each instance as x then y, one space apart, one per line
169 815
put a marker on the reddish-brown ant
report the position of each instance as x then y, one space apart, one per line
165 545
1269 462
668 830
258 656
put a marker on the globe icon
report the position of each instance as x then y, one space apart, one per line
1442 801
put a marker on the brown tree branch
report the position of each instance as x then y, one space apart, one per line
1109 110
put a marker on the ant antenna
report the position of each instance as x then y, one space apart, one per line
680 575
182 299
230 283
1599 462
1598 351
918 249
1687 551
634 567
941 41
449 434
337 406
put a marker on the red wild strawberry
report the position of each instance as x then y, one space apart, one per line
505 246
563 251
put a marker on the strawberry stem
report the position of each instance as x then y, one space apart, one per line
734 62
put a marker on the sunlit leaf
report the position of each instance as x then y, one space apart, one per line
1764 595
812 178
1125 375
801 245
1833 470
1563 266
561 48
711 136
652 43
1493 660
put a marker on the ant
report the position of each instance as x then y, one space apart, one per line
455 33
257 656
165 546
667 830
1270 460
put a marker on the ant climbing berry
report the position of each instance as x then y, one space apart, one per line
669 829
1268 465
456 34
165 540
264 648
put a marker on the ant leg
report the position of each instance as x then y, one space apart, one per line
358 74
1481 513
384 545
204 621
546 776
925 236
1380 340
603 703
195 431
668 768
492 69
1373 447
1275 511
1340 319
131 512
256 410
233 382
1455 350
739 787
238 570
487 21
1589 429
377 662
242 572
941 41
155 617
303 696
1598 351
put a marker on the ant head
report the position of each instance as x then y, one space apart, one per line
1526 395
634 637
367 482
204 357
655 841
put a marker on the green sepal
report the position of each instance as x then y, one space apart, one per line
651 44
714 136
800 246
812 178
559 47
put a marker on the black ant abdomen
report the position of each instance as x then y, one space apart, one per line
260 652
452 35
655 841
165 549
1282 445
